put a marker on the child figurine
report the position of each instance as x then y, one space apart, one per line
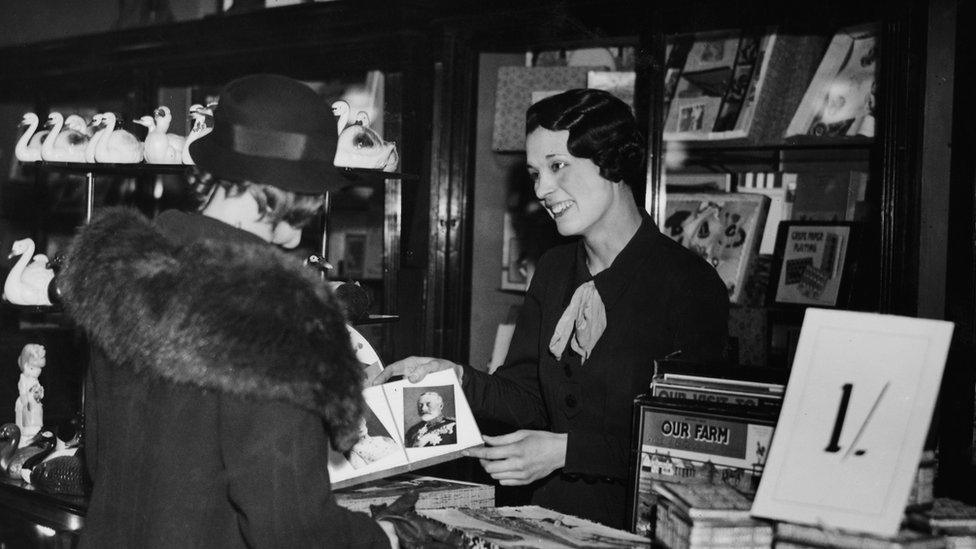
28 412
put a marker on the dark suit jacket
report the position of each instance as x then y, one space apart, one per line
221 371
660 298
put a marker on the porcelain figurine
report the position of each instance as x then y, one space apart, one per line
359 145
28 148
28 280
28 410
99 130
202 118
63 144
30 454
118 146
9 441
161 147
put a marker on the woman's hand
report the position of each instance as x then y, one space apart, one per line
415 369
522 457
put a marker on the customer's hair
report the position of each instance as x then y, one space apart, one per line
601 128
274 204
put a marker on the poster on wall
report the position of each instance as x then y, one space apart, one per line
840 100
817 266
713 81
725 229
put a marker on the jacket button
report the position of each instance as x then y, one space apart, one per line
571 401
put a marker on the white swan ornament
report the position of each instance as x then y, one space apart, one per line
28 148
360 146
341 110
99 130
161 147
78 124
202 118
28 280
118 146
61 144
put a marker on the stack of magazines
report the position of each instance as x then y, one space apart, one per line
707 516
803 536
532 527
701 423
433 493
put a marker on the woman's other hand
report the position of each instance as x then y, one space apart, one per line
522 457
415 369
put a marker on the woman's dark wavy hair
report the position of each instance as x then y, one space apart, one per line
601 128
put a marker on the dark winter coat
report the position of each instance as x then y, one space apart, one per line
220 370
659 298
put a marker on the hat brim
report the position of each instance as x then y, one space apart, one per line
299 176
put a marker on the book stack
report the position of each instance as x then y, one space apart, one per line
434 493
717 390
706 516
952 519
792 535
531 527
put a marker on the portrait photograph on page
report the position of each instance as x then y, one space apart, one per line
429 417
374 444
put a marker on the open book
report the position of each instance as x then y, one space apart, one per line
407 426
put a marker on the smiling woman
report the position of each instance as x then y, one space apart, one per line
597 313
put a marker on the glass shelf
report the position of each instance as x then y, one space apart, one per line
352 174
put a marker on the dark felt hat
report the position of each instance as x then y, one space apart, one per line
274 130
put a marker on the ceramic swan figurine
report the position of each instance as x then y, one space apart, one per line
32 288
99 130
31 452
341 110
78 124
360 146
62 145
28 147
9 441
118 145
202 118
146 121
161 147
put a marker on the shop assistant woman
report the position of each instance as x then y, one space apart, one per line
596 315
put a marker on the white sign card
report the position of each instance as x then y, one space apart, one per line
854 420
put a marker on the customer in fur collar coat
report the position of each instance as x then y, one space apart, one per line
222 369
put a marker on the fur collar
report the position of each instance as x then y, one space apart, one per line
237 318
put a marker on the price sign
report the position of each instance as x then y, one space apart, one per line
854 420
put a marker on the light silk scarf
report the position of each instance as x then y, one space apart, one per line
582 323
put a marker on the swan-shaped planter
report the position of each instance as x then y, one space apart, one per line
117 146
99 130
359 145
63 144
202 118
161 147
28 148
78 124
28 280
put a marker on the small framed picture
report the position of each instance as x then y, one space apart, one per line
816 262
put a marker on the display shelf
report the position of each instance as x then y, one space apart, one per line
353 174
376 319
112 169
61 513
